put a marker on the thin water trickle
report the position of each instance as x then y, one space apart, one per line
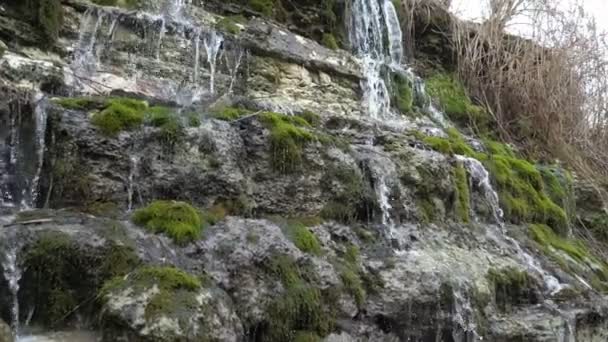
395 36
161 36
41 115
85 60
12 274
213 43
480 177
134 162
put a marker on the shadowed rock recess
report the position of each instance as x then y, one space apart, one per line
271 170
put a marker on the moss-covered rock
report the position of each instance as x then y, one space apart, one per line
572 255
454 100
166 304
463 197
288 137
512 287
71 273
302 306
120 114
402 92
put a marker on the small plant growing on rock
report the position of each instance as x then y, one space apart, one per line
179 220
304 239
329 40
463 199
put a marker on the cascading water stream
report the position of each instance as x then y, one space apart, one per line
481 177
213 43
12 274
465 328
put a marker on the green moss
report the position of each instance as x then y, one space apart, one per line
194 119
304 239
229 24
402 90
178 220
522 191
329 41
49 18
454 100
306 336
77 103
511 287
572 255
453 144
463 199
229 113
120 114
263 6
353 285
288 137
119 260
301 307
176 289
170 124
349 191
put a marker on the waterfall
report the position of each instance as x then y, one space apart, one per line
395 36
234 68
12 274
213 43
372 22
85 60
197 52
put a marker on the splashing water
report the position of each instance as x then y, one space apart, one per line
12 273
213 43
161 36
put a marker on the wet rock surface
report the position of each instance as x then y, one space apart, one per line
327 224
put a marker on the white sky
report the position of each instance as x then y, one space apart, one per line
471 9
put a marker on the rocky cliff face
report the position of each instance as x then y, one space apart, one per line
226 172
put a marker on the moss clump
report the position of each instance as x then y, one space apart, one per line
453 144
194 119
288 137
120 114
78 103
179 220
263 6
167 278
312 118
301 307
462 193
228 113
170 124
304 239
454 100
329 41
353 285
230 24
402 90
512 287
522 191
